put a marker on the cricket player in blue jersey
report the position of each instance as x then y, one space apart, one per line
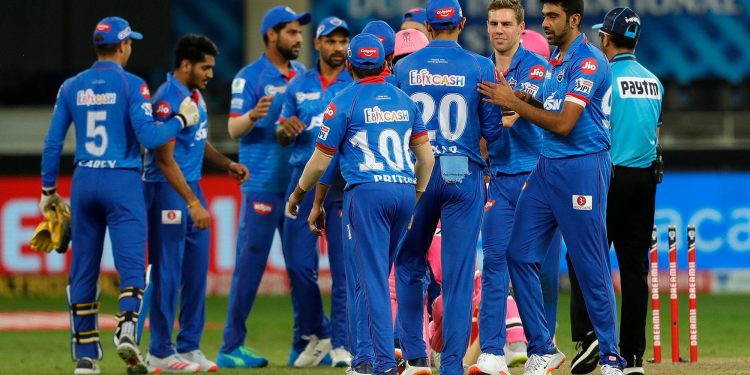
387 36
568 187
373 125
112 114
305 100
512 157
442 79
634 125
179 239
254 111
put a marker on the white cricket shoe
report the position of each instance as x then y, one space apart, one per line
196 356
172 363
515 353
340 357
417 366
489 364
543 364
314 352
611 370
87 365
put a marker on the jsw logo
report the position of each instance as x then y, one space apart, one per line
553 104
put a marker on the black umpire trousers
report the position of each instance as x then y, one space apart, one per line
630 220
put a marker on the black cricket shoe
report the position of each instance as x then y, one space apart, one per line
587 358
635 366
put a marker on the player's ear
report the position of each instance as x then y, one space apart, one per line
575 21
461 24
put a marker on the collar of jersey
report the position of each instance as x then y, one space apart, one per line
371 80
514 61
443 43
581 40
269 65
176 83
106 65
623 57
343 76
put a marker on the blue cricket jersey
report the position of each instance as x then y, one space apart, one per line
372 123
636 112
518 148
112 114
443 78
268 161
306 97
190 143
582 77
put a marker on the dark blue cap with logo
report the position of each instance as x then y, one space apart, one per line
329 24
418 15
444 14
621 21
112 30
383 32
366 51
282 14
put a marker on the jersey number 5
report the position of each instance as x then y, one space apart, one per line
94 131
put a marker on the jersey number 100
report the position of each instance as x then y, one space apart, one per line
401 153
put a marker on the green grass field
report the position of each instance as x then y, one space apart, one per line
722 333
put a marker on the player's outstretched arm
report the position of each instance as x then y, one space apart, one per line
421 148
172 172
239 126
152 135
216 159
501 94
314 169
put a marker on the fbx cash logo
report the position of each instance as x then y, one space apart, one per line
375 115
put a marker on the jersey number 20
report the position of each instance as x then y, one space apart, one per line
444 112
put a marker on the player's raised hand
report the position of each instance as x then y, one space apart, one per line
292 127
261 108
499 93
200 216
238 172
317 219
189 111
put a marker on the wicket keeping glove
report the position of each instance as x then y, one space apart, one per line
189 112
53 233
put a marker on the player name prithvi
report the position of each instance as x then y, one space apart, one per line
425 78
87 97
398 179
375 115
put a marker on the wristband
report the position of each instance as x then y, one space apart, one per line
49 191
182 119
193 203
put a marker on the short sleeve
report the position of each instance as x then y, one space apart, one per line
243 96
333 129
585 77
418 129
289 103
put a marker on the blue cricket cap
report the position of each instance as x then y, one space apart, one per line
621 21
384 32
444 14
114 30
329 24
418 15
282 14
366 51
